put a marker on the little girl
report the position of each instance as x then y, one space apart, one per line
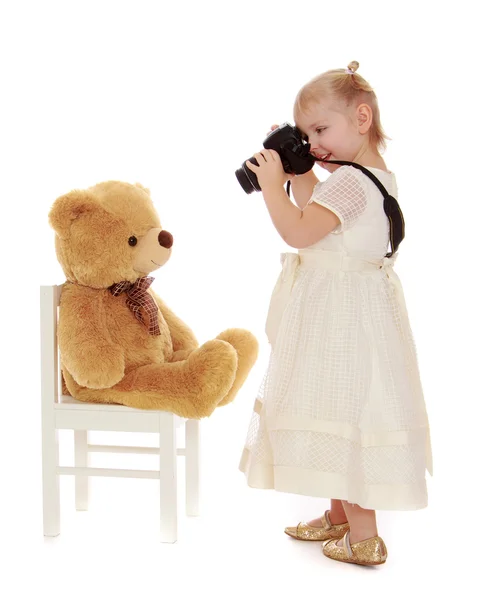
340 413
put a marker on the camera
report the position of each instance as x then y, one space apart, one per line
293 150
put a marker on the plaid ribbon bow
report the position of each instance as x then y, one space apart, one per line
138 299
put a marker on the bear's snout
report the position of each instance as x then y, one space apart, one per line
165 239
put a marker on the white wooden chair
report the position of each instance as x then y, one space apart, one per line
63 412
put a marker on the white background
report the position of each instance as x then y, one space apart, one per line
177 96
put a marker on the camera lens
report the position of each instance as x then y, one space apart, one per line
247 179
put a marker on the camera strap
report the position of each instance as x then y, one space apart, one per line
391 207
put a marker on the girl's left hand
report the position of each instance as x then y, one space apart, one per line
270 171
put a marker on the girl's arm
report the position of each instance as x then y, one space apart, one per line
302 188
298 228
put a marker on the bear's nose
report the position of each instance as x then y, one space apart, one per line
165 239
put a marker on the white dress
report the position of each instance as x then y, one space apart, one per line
340 412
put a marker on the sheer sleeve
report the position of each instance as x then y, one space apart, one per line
344 194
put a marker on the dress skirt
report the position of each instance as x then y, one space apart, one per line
340 412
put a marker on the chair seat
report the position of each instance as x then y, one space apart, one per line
70 403
74 414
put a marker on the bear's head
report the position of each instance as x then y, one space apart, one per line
108 233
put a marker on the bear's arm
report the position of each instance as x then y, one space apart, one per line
183 337
86 348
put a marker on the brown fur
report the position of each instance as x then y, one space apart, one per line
107 355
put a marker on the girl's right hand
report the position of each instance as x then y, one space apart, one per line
273 127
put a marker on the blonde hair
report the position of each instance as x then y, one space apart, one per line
347 87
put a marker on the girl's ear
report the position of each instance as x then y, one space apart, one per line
68 208
364 118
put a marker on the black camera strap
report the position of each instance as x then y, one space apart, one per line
391 206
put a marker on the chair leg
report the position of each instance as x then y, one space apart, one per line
168 478
81 459
50 482
192 467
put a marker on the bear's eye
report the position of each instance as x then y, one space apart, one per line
133 241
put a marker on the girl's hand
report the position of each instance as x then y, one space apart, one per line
273 127
270 171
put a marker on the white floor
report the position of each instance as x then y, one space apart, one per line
235 549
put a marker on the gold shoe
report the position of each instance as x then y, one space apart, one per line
306 532
368 552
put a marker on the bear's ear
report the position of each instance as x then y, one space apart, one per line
68 208
139 185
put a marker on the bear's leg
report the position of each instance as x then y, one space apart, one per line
191 388
246 346
181 355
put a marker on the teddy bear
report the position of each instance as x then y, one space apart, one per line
119 342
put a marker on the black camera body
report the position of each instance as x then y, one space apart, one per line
293 150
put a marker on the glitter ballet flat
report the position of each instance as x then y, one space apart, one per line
306 532
367 553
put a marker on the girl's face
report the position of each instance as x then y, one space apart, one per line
334 135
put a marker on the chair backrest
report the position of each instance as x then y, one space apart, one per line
50 372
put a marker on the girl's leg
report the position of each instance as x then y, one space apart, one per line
337 515
362 522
